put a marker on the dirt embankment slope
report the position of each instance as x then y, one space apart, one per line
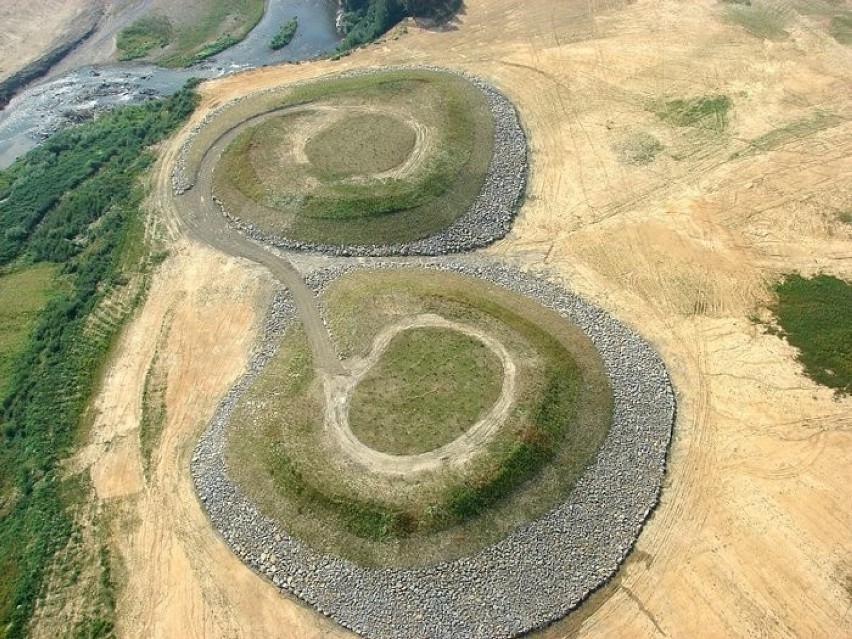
751 537
30 28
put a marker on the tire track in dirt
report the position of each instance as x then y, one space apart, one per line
339 389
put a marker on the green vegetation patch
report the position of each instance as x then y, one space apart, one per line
73 201
137 40
284 35
840 28
279 453
759 19
23 294
262 176
707 111
186 33
795 130
361 144
363 21
428 388
813 315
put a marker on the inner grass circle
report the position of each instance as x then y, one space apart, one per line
428 388
361 144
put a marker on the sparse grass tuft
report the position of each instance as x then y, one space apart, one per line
814 316
758 19
795 130
638 148
840 28
137 40
707 112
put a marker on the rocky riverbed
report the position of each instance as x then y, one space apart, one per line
45 108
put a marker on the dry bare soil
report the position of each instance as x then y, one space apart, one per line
752 536
30 28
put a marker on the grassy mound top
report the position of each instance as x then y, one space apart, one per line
429 387
360 144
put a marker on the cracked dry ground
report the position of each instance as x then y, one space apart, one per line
751 537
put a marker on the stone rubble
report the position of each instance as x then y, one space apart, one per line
539 572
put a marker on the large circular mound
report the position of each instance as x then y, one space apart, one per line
539 571
490 407
377 159
429 387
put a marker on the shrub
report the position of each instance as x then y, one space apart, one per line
285 34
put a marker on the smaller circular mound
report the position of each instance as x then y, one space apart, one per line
428 388
360 145
539 572
291 172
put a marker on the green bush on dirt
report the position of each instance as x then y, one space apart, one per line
813 315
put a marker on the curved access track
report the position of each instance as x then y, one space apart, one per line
202 220
339 389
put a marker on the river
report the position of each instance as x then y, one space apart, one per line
45 107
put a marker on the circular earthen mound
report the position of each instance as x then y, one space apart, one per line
465 410
540 570
400 161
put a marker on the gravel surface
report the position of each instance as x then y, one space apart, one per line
489 218
539 572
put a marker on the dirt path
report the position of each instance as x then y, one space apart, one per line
339 389
201 219
751 538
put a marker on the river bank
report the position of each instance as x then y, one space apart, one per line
80 93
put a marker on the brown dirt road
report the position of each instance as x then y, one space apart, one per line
751 538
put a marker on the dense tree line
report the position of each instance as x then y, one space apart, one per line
366 20
73 201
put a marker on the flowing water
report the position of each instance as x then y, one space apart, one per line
75 96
